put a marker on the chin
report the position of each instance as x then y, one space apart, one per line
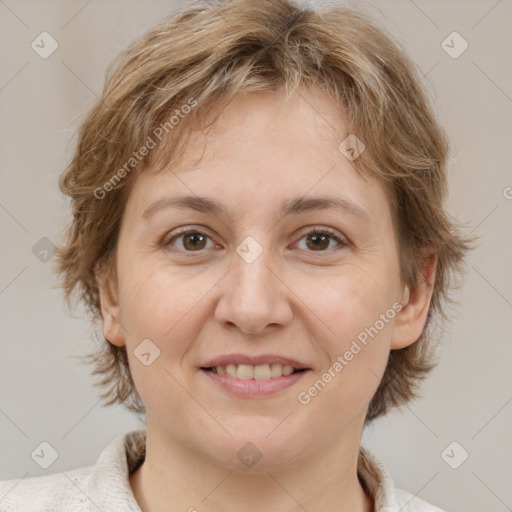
252 450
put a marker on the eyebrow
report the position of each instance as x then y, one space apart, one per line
294 206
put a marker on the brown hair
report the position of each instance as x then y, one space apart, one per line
192 65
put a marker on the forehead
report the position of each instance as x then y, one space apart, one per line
262 151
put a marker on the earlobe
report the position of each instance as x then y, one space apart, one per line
410 322
110 309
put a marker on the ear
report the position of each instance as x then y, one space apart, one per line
411 319
110 310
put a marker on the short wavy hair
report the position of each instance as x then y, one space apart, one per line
189 68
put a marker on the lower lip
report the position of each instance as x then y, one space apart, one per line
253 387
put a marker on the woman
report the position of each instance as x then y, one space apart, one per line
259 226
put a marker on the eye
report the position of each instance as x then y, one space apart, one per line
318 239
192 239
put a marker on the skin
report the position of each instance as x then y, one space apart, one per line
295 300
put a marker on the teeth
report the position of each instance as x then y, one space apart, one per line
260 372
230 370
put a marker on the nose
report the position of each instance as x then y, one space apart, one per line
253 297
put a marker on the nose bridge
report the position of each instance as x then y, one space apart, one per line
252 274
253 296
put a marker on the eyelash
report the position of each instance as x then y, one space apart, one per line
166 241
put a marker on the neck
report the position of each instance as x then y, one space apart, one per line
175 478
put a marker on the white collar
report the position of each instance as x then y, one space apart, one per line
109 485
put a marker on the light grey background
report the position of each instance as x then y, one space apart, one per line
47 395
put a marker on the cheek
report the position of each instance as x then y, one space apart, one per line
355 300
156 302
170 308
356 359
358 309
159 306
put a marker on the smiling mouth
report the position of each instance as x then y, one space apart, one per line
259 372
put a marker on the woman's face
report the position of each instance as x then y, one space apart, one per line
250 280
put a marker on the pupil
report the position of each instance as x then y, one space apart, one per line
196 238
322 238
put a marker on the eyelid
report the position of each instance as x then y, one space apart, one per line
184 230
324 230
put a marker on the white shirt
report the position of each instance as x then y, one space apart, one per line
106 487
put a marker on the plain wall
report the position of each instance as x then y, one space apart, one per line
46 394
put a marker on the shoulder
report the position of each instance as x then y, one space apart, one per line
64 491
103 486
379 482
408 502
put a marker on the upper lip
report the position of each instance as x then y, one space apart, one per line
254 361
